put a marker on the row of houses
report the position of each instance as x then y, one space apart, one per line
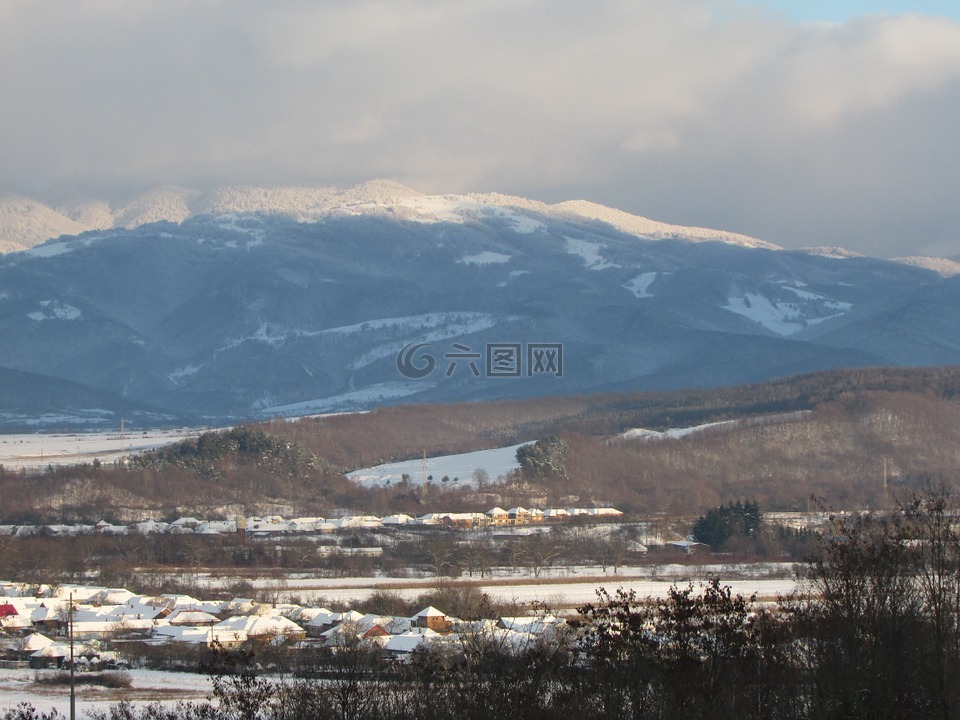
514 516
277 525
33 629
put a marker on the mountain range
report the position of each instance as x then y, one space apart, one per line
248 302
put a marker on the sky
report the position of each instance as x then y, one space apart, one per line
805 123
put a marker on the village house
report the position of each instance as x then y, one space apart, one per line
518 516
498 516
432 619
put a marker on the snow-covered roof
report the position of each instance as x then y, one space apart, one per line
193 617
35 642
151 526
533 624
260 625
112 596
323 618
15 622
43 614
408 642
604 511
200 635
430 611
54 650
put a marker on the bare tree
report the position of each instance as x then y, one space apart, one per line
542 550
441 549
481 477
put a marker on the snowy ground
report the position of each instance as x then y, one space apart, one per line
457 468
17 686
560 588
39 450
560 596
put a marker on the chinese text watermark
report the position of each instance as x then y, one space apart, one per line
498 360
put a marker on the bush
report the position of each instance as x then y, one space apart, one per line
114 679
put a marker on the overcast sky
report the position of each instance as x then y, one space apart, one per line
803 123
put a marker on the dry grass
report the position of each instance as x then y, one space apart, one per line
114 679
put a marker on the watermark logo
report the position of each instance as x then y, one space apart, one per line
502 360
409 364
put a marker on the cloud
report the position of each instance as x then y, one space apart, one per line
684 110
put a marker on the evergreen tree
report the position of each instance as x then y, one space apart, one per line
735 519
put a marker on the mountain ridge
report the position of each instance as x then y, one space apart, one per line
25 221
243 314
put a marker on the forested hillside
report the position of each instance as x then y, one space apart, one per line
844 439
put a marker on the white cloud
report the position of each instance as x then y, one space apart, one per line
684 110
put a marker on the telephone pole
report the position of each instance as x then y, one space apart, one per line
73 689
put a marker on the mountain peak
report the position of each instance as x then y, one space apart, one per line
250 312
26 222
944 267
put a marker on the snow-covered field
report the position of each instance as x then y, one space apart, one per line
458 469
19 686
559 587
41 449
560 596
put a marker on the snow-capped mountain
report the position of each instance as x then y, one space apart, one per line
25 222
255 302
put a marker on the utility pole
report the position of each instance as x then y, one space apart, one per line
73 689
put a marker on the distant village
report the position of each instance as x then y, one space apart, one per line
275 525
37 621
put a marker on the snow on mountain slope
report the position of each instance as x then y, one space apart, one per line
91 214
26 222
162 203
53 310
646 435
640 285
589 252
235 314
786 316
651 229
942 266
837 253
372 395
487 257
448 325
